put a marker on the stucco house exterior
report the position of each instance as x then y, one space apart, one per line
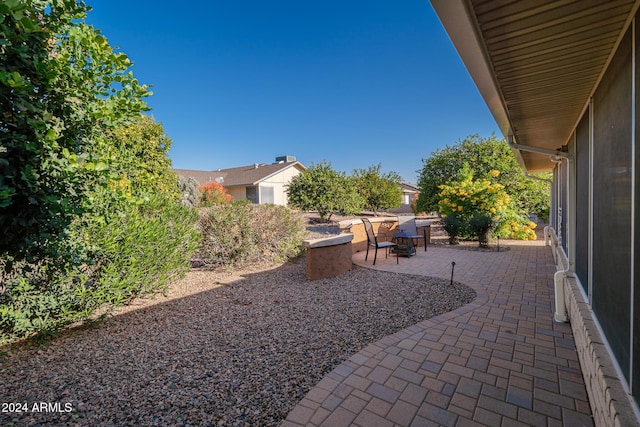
259 183
562 80
409 192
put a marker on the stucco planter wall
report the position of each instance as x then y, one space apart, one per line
328 257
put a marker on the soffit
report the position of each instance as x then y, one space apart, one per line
545 58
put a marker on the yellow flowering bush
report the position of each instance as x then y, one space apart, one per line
468 197
518 229
478 206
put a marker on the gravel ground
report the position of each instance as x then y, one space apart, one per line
216 350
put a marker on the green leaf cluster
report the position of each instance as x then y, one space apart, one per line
88 203
117 259
62 87
483 155
321 188
136 155
327 191
379 190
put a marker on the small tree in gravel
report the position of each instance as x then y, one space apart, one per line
380 191
320 188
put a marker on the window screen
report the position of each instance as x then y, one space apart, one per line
252 194
582 201
612 203
562 191
266 195
635 381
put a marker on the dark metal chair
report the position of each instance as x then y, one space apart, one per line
372 241
407 224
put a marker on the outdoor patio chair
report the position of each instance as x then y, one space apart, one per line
372 241
407 224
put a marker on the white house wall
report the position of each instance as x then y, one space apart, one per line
279 182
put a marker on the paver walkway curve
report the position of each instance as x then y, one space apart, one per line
499 361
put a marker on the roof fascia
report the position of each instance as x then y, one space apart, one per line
460 24
277 172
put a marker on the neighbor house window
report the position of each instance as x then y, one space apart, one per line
266 195
252 194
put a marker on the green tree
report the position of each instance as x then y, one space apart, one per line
61 87
136 155
321 188
483 155
380 191
88 204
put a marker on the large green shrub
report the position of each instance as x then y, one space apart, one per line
240 233
321 188
379 190
89 209
483 155
477 207
62 87
137 249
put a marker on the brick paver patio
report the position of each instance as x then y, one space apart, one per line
499 361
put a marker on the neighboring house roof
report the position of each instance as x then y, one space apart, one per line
536 63
406 187
242 176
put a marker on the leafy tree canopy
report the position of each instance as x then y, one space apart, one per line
136 155
380 191
484 156
88 204
62 86
321 188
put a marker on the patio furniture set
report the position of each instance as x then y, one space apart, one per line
401 243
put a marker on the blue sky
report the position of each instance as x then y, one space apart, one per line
351 82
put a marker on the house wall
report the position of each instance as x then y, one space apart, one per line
279 182
405 206
596 220
238 193
271 190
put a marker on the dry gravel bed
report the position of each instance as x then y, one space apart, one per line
217 349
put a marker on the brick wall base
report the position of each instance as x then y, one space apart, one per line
610 403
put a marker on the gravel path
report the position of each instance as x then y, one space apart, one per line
215 350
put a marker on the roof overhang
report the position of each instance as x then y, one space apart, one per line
295 164
536 63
